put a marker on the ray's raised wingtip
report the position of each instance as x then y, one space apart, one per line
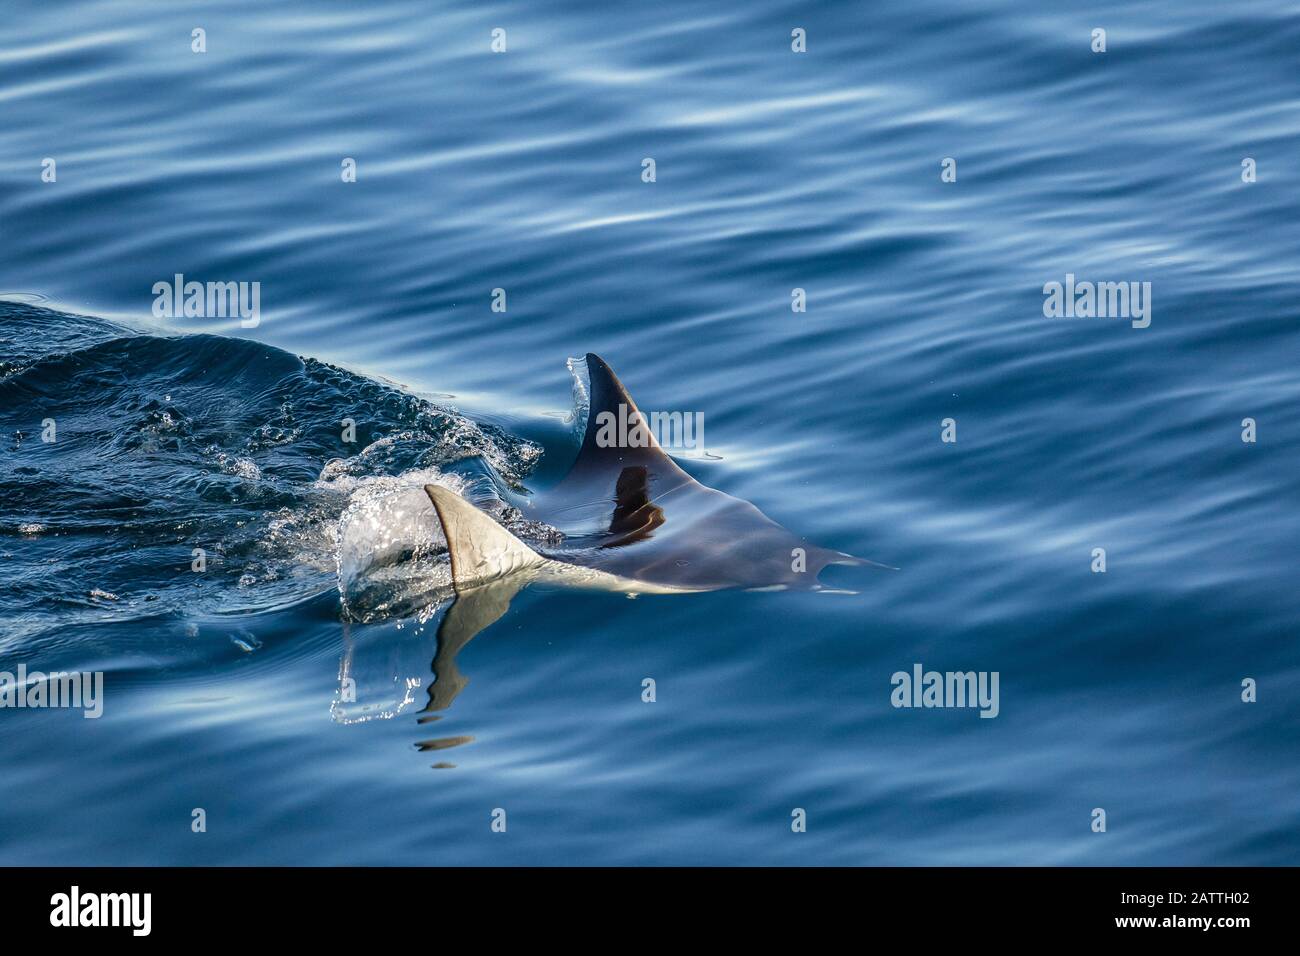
479 548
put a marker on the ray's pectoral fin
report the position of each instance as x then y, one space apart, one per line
480 549
625 470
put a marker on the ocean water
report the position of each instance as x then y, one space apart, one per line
774 171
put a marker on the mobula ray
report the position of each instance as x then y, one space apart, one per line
634 522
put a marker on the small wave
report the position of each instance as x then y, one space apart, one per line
197 474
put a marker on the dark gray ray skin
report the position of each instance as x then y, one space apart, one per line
633 513
638 515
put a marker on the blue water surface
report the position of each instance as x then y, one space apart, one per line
774 171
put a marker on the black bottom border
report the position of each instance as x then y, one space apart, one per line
367 905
